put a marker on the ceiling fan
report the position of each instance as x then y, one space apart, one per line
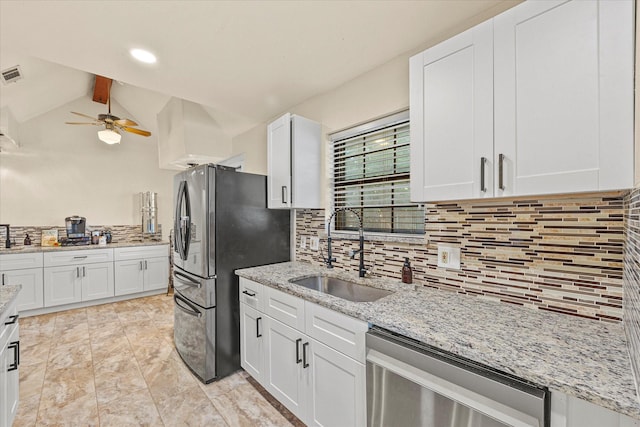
112 124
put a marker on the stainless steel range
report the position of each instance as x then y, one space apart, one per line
221 224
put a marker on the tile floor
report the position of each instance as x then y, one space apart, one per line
115 365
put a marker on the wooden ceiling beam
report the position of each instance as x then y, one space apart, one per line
101 89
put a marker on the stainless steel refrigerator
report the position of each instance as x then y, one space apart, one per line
221 224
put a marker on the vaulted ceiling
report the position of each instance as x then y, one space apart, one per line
245 61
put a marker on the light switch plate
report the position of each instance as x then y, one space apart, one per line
448 257
314 243
303 242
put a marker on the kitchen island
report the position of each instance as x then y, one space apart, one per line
580 358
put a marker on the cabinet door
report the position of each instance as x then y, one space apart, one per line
279 163
305 164
285 377
12 376
97 281
129 277
4 376
451 99
32 294
564 96
337 394
252 337
156 273
62 285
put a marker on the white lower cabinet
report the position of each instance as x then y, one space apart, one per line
74 283
24 270
75 276
141 268
9 361
291 349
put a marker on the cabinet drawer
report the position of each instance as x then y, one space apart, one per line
340 332
286 308
8 321
252 294
138 252
87 256
19 261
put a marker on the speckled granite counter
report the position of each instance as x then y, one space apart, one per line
582 358
8 293
31 249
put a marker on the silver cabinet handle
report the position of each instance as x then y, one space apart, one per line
80 257
2 279
84 272
77 271
140 265
501 172
483 162
145 264
284 194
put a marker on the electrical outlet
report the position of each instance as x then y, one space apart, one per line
303 242
314 243
448 257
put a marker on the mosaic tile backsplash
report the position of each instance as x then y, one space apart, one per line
632 281
119 233
563 255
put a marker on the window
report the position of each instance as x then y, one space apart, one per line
371 176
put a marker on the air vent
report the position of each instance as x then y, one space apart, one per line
11 75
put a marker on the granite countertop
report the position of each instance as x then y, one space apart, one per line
582 358
30 249
7 294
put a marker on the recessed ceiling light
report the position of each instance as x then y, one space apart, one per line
143 56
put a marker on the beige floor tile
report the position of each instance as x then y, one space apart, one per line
168 378
31 380
136 409
115 385
242 406
27 411
73 356
71 317
151 351
62 386
71 334
34 349
189 407
105 348
81 411
42 324
224 385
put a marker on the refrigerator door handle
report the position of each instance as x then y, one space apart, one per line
191 310
183 222
187 280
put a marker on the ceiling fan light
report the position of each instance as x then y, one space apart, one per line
109 136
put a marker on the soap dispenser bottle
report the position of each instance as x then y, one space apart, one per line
407 272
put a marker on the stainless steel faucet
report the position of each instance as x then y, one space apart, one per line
330 259
7 243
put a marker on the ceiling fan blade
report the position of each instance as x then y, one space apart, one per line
125 122
84 115
83 123
136 131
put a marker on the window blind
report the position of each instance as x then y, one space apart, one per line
371 176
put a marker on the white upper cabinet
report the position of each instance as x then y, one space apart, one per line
293 161
452 117
540 97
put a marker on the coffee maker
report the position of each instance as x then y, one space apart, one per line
75 231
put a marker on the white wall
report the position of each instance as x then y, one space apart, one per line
62 170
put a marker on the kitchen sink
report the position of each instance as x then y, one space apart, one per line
342 288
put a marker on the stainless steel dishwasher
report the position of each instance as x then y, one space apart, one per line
410 383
